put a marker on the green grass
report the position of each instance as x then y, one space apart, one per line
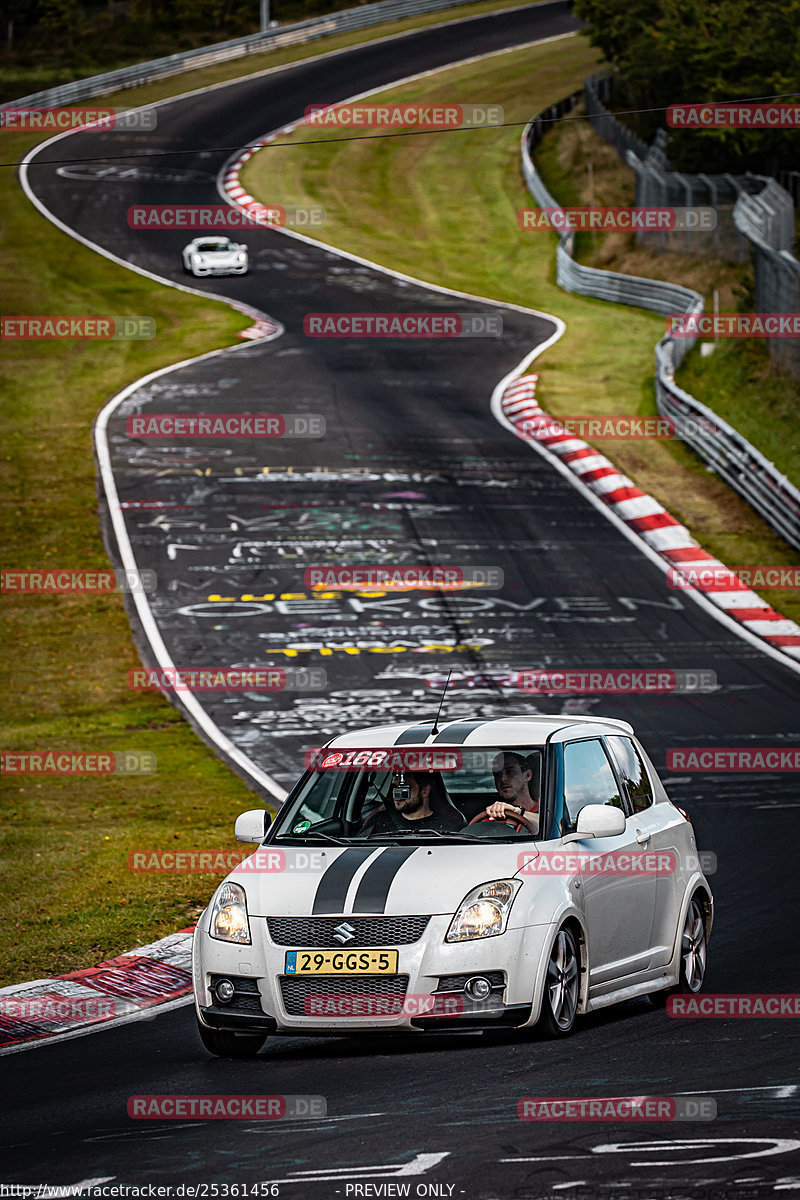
69 897
739 382
423 206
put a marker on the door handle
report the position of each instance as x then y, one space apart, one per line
642 837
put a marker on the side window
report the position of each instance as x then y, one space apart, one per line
588 778
632 770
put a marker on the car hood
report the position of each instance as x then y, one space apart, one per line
397 879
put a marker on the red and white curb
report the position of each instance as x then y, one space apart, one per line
232 188
646 517
119 988
261 329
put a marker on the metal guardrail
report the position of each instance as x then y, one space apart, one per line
735 460
255 43
661 297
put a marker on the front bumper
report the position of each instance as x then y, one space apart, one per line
423 996
236 269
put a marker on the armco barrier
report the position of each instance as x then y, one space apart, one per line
731 455
254 43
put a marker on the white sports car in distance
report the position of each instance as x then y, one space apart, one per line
510 872
215 256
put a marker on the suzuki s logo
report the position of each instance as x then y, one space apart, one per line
344 933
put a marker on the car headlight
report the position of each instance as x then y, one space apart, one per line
484 911
197 258
229 915
241 258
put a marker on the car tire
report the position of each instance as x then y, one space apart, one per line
694 951
225 1044
562 986
693 956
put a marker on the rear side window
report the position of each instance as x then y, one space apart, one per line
588 778
633 772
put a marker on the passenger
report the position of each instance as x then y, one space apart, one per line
410 807
512 774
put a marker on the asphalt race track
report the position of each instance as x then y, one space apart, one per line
413 468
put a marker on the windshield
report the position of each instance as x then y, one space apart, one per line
216 247
419 793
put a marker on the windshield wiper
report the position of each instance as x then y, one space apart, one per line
302 837
436 833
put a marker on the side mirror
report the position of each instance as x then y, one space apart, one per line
251 826
598 821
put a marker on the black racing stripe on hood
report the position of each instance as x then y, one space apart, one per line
416 734
332 889
373 890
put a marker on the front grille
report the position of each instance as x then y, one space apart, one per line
455 983
296 991
318 932
246 997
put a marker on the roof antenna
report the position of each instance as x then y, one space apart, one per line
435 729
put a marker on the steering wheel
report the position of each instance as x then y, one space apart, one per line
519 825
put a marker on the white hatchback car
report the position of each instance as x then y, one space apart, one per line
384 897
215 256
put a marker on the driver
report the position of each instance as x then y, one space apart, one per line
512 775
411 800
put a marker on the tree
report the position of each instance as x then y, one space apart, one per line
670 53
